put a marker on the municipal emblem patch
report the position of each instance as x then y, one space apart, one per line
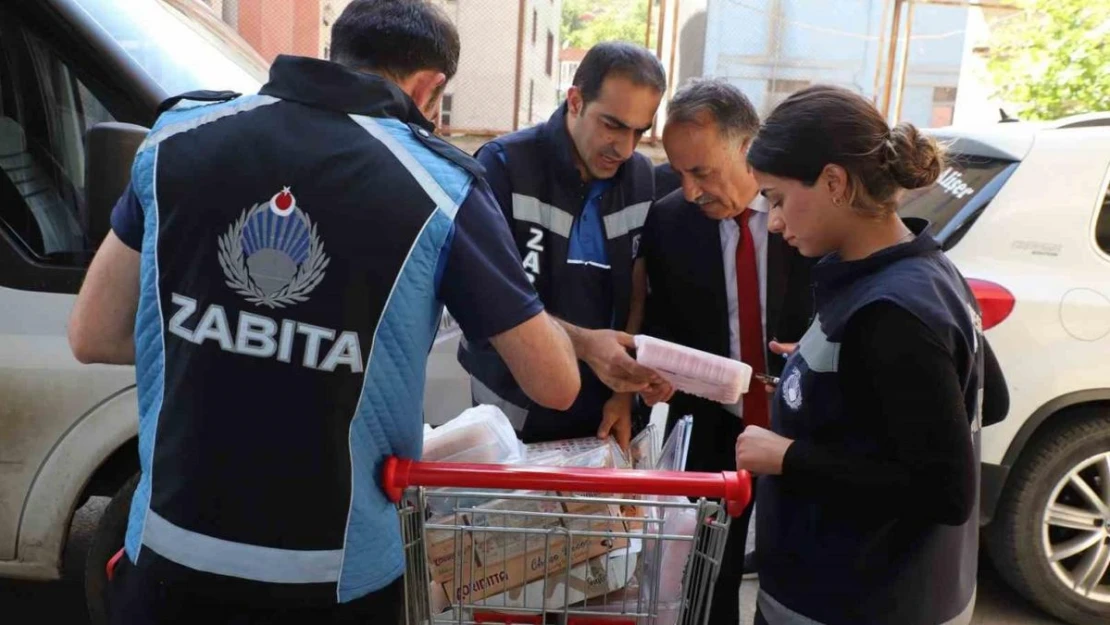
792 389
272 255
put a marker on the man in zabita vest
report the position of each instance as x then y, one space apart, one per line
276 272
575 193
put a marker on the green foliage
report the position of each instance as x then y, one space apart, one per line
588 22
1053 59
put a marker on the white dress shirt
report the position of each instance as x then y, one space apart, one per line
730 238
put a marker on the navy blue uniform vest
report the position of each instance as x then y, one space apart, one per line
829 564
286 312
545 196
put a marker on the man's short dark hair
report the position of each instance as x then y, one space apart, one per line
725 104
616 58
395 38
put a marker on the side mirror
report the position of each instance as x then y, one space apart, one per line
110 149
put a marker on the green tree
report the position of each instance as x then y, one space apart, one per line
587 22
1053 59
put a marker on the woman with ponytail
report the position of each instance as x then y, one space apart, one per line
867 508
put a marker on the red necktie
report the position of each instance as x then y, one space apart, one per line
751 323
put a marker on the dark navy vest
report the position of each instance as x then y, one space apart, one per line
811 557
287 308
548 194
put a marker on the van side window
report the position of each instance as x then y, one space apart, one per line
45 111
1102 225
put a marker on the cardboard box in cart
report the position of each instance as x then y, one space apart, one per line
444 546
500 586
596 454
601 578
597 577
532 545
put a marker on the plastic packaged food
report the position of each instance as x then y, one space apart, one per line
673 455
693 371
481 434
577 452
642 449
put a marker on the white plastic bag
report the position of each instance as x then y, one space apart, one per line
481 434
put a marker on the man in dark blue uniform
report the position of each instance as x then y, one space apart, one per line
276 272
575 193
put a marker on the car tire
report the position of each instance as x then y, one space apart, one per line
1020 538
106 542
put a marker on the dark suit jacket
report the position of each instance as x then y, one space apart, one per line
666 180
688 304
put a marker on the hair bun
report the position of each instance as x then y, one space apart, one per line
917 158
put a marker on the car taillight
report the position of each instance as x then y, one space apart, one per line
995 301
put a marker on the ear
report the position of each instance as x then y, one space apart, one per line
425 87
835 182
575 102
743 153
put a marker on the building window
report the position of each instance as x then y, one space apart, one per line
535 21
787 87
779 90
944 106
445 110
567 71
550 51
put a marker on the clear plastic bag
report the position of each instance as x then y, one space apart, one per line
480 434
673 455
587 452
642 451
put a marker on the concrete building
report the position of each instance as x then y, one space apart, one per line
508 68
772 48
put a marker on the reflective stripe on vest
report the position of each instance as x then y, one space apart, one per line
223 557
552 218
626 220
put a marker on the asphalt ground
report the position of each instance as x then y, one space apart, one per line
63 602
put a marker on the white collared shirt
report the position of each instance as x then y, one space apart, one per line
730 238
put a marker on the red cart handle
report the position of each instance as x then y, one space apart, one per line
733 487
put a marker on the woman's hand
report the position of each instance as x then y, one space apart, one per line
761 451
782 349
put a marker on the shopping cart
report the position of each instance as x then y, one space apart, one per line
512 544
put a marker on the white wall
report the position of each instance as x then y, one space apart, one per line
536 84
975 102
483 87
482 90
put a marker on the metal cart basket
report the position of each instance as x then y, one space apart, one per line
570 546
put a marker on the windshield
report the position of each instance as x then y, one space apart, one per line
958 197
180 44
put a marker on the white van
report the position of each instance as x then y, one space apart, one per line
80 81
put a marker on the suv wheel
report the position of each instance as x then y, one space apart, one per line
107 541
1051 538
